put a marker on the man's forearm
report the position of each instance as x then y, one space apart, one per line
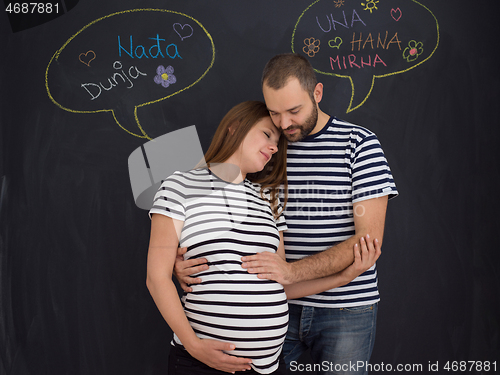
326 263
369 219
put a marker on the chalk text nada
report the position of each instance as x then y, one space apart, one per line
120 76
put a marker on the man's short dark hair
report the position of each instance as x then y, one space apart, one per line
282 67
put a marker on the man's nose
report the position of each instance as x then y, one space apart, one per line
285 122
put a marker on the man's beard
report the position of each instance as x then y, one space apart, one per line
305 128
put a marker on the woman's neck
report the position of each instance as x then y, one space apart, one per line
228 172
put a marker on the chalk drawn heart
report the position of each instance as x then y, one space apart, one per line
86 58
179 29
337 42
396 14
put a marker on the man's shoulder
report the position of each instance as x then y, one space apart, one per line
337 125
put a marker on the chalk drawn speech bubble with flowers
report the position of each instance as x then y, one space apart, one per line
365 39
127 60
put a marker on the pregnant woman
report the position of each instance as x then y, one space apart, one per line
222 211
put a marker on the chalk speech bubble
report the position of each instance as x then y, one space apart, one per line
128 60
365 39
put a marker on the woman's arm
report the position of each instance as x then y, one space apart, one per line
161 258
365 256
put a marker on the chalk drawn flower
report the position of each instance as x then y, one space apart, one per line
413 50
311 46
165 76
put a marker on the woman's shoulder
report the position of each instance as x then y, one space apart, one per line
190 175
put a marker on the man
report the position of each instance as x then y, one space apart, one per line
339 183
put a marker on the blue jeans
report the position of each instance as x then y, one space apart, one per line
341 340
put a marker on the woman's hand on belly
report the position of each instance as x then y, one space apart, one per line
211 353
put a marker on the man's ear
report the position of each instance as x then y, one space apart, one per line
318 92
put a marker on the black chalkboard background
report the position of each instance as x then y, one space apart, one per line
73 243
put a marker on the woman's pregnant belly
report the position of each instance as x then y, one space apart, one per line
239 308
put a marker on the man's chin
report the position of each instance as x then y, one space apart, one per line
294 137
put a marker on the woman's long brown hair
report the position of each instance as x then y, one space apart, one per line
228 137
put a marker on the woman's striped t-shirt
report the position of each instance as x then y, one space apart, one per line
327 173
222 223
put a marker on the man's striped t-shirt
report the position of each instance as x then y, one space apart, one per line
222 223
328 172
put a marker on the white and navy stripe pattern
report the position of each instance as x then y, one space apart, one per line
223 222
327 173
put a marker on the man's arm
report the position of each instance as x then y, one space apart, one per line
365 256
369 219
183 269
